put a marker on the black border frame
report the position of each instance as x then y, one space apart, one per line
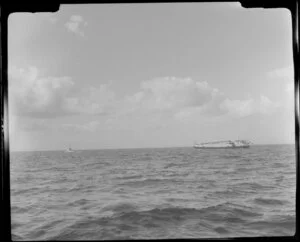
53 6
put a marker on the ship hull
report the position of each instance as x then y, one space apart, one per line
224 147
227 144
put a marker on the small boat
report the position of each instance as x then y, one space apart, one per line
223 144
69 150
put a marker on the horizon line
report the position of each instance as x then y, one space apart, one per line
135 148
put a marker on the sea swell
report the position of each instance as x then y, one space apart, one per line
127 220
153 194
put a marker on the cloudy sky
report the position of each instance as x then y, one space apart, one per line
149 75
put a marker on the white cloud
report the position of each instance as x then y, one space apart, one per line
33 95
186 99
266 106
286 76
75 24
92 100
159 99
171 93
243 108
240 108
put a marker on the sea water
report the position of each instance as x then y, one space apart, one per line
153 193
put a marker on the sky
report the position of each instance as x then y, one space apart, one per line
101 76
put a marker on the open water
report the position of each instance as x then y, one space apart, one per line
153 193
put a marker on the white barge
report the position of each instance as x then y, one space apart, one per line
223 144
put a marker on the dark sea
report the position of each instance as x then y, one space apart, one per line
154 193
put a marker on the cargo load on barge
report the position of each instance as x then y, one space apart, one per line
223 144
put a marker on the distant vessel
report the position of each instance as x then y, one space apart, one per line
223 144
69 150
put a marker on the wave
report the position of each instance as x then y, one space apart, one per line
232 212
221 230
143 157
43 169
30 190
120 207
269 201
126 220
79 202
173 165
97 165
149 182
180 213
15 209
285 225
82 187
88 198
50 225
246 169
229 193
230 156
254 186
129 177
15 237
15 225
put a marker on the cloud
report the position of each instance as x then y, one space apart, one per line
34 95
75 24
37 96
92 100
286 76
266 106
181 99
171 93
185 99
243 108
240 108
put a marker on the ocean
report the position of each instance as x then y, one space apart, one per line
153 193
